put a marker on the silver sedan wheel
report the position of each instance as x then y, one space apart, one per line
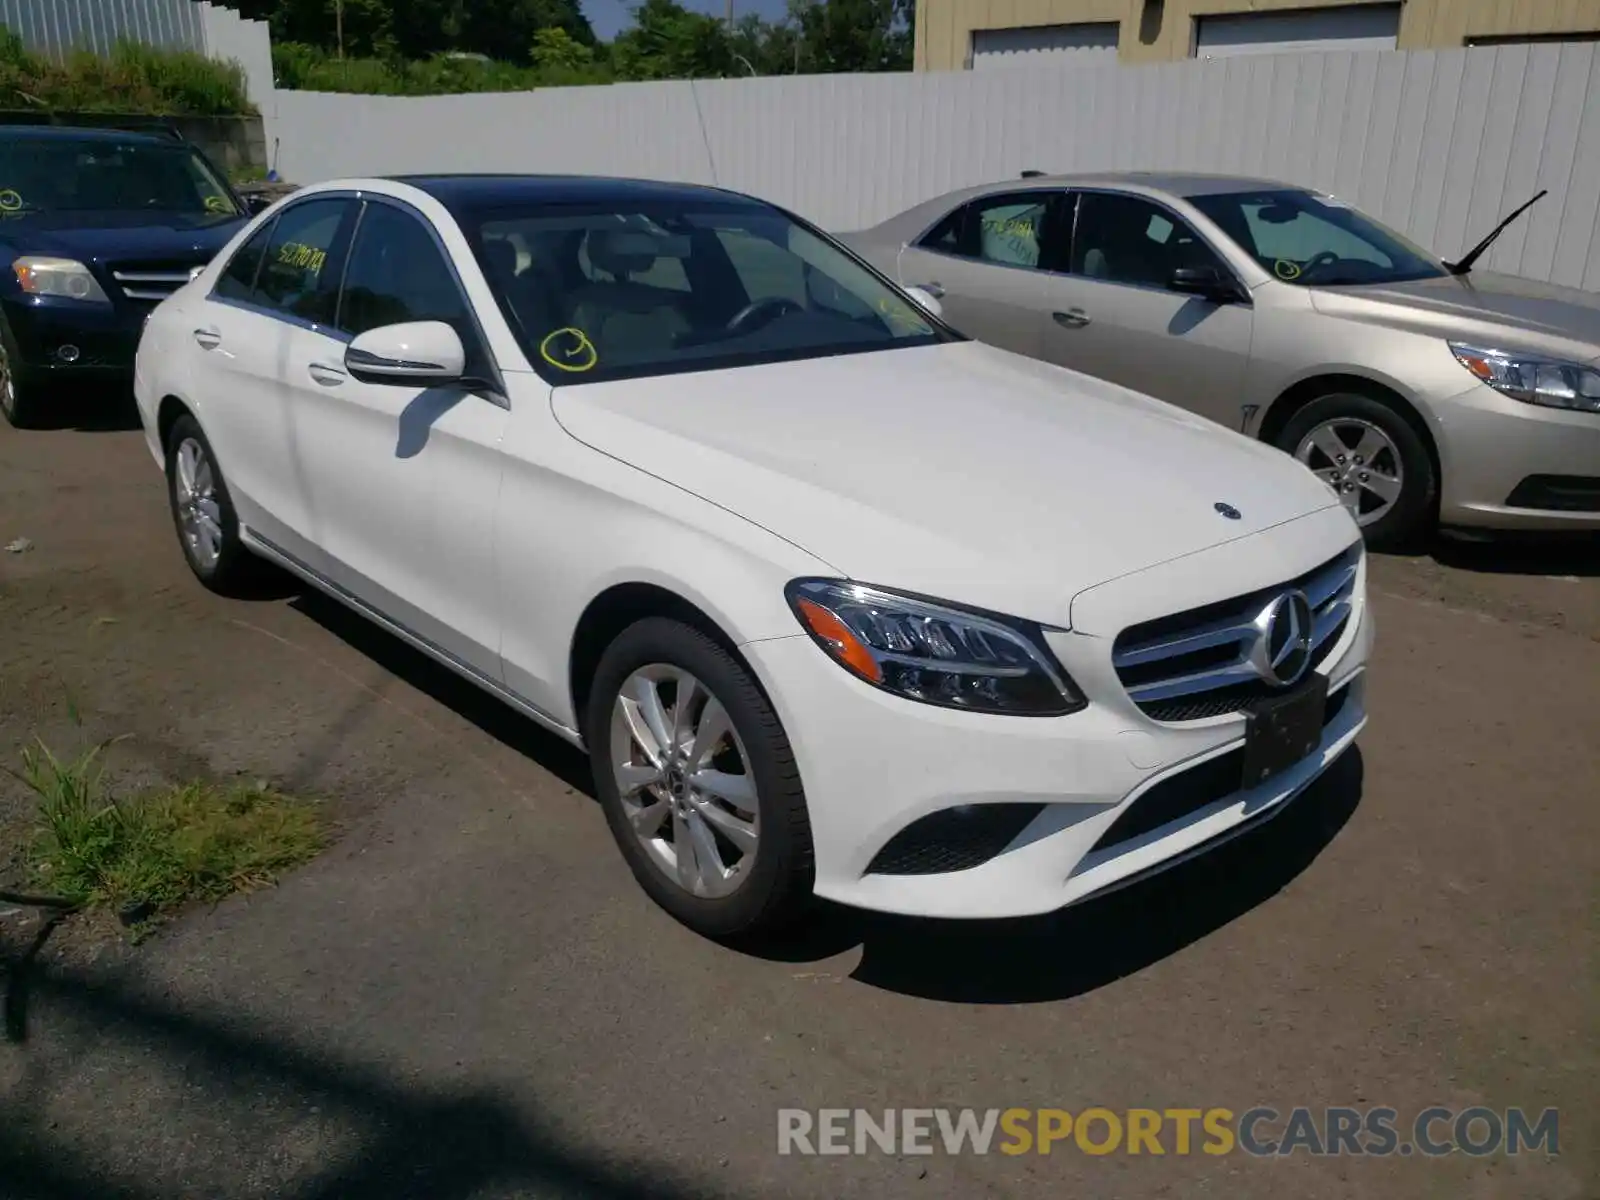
685 780
199 515
1357 460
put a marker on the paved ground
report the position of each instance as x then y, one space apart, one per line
469 997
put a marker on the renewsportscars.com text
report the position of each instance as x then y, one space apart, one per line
1261 1131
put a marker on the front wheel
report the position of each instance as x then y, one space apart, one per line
698 782
1372 458
19 395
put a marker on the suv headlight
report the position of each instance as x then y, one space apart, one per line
934 653
1531 379
39 276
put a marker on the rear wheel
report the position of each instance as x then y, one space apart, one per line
202 510
698 781
1372 458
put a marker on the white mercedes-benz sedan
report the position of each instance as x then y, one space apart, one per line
838 601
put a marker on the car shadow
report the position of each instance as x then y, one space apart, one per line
1085 946
501 722
89 408
1520 554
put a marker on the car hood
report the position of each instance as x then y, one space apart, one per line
1480 304
958 471
113 236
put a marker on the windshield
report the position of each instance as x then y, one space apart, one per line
606 293
39 175
1316 241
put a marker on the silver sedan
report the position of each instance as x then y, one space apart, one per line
1422 391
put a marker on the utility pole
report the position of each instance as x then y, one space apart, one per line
730 16
338 23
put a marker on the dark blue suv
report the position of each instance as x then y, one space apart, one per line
96 228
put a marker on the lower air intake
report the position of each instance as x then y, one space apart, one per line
953 839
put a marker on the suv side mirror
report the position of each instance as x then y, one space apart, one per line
419 353
1207 282
256 203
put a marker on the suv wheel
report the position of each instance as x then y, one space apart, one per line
698 782
1372 458
18 397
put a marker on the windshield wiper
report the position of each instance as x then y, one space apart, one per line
1477 252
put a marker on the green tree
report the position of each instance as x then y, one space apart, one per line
667 41
838 36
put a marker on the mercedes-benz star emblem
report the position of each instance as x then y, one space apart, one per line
1227 510
1281 654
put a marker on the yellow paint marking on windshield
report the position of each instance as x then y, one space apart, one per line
1286 269
582 349
10 201
219 204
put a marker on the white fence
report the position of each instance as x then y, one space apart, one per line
1438 144
57 27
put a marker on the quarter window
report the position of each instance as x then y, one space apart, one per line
1126 239
298 276
238 282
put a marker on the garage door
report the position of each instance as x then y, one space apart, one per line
1352 27
1041 45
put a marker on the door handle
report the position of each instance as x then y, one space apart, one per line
934 288
326 375
209 339
1073 318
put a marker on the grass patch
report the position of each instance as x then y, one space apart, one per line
156 850
133 78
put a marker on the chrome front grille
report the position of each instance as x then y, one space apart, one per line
154 282
1196 664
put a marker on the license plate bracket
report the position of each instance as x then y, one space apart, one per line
1282 730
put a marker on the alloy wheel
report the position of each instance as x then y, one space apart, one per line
685 781
8 386
195 496
1359 461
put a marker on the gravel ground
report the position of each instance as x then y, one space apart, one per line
467 996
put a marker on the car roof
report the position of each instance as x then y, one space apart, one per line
1177 183
460 192
75 133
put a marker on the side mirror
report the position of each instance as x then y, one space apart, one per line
420 353
1209 283
925 300
256 203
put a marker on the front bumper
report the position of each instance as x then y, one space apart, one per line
105 337
1499 456
873 765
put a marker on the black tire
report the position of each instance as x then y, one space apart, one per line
20 402
1413 514
777 887
234 568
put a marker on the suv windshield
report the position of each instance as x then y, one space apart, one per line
1316 241
100 175
601 293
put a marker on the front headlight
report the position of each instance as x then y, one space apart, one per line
1531 379
39 276
933 653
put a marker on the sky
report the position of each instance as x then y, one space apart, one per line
609 16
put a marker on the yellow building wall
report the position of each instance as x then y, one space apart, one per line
1160 32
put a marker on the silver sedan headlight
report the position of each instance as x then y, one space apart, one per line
1533 380
934 653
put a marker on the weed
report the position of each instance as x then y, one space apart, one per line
158 849
133 78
